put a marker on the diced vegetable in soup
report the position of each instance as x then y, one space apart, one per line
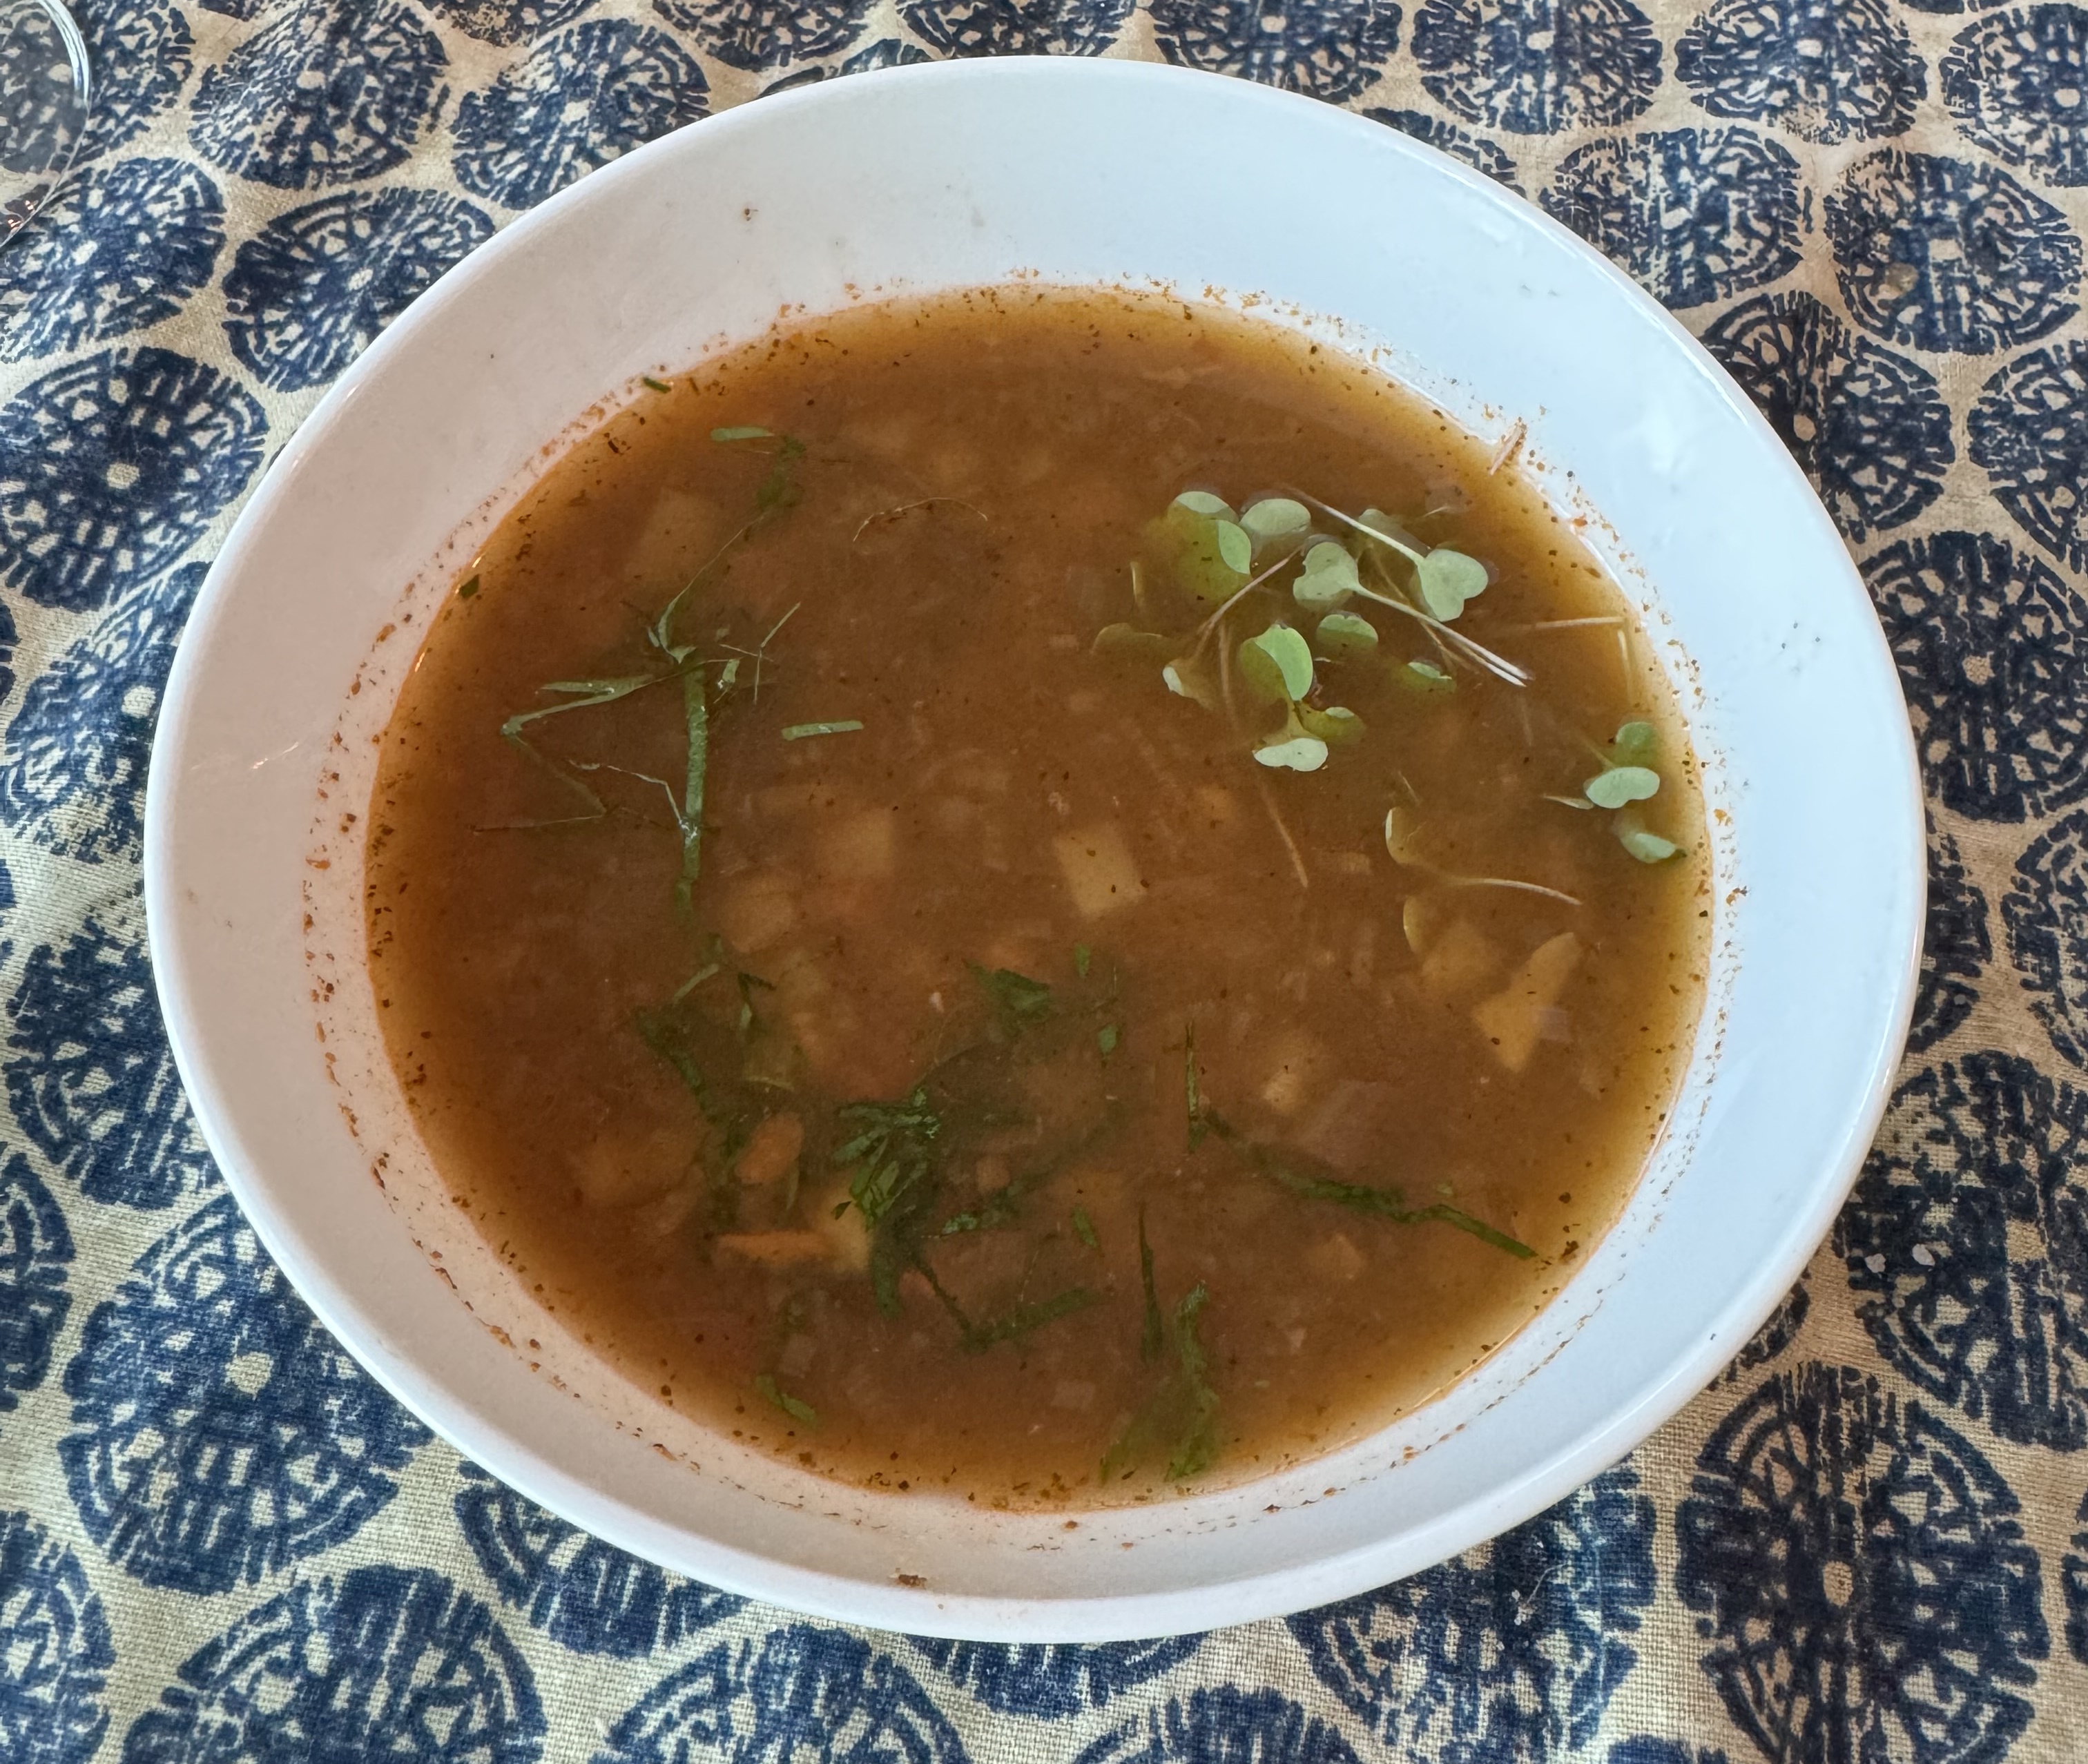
1047 896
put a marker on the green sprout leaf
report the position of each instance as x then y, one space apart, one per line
1202 502
1198 1448
656 385
1193 678
1400 832
1344 637
468 589
1235 549
1298 753
1328 578
1082 957
1154 1334
1277 665
1424 678
800 1411
1645 845
1274 522
1018 1001
1615 785
744 432
848 726
1084 1228
1200 544
1635 743
1106 1038
1448 578
1336 726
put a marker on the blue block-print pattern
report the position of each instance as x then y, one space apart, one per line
1695 214
1644 1749
886 52
1512 1651
321 94
580 1592
1967 1242
139 52
385 1664
55 1649
1955 948
580 100
112 467
1537 66
35 1255
1870 427
1990 644
122 247
810 1695
1331 49
2045 911
2074 1576
219 1433
311 291
2030 432
1221 1727
1825 69
2014 81
508 22
1863 1582
72 763
1475 150
1947 255
758 34
1054 1681
1017 26
1779 1330
90 1076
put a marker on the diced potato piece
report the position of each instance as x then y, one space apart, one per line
771 1149
1100 872
617 1171
1513 1019
1295 1068
778 1249
758 910
862 846
1459 961
1336 1259
681 534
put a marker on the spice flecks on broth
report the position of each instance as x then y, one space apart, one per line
1047 896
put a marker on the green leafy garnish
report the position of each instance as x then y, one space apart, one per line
1344 637
1018 1001
1615 785
1203 502
1129 644
1424 676
1336 727
1204 547
1082 955
891 1149
656 385
1327 579
1647 846
846 726
1084 1228
1293 752
1635 743
1274 521
1448 578
797 1410
469 587
1192 1082
744 432
1022 1320
1198 1448
1106 1038
696 726
1276 665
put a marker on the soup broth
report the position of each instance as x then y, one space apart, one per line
1050 897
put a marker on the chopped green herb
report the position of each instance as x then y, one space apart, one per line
1084 1228
803 731
744 432
1018 1001
890 1151
469 587
1615 785
657 385
1082 955
1020 1321
1192 1082
696 723
1198 1448
797 1410
1154 1335
1106 1038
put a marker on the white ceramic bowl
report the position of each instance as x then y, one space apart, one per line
1077 173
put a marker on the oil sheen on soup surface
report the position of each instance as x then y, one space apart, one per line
1048 896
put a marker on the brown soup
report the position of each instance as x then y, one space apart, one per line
1048 896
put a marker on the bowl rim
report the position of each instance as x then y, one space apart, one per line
518 1462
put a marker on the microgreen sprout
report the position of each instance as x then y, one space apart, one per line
1615 785
469 587
799 1411
656 385
744 432
846 726
1345 637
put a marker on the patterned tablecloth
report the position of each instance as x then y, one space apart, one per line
1866 1543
